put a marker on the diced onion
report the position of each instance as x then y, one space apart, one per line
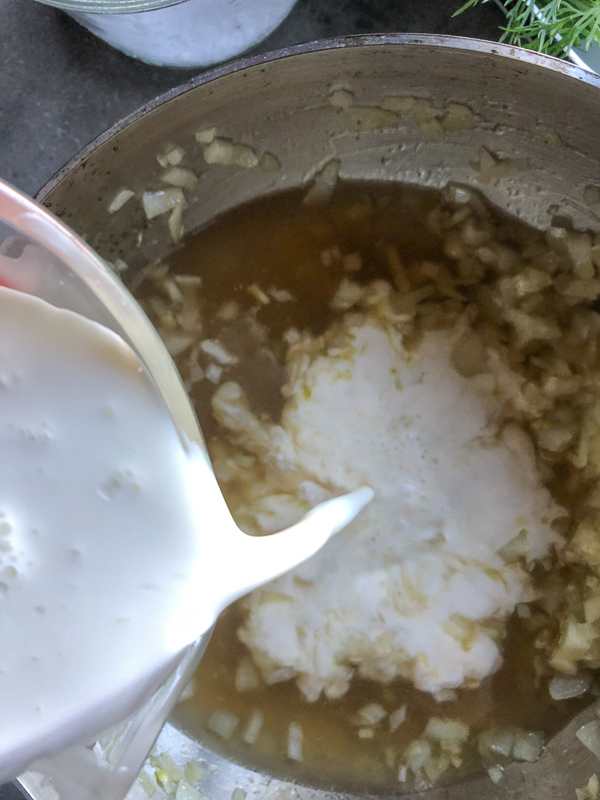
238 793
341 98
219 353
157 203
176 224
366 733
589 736
495 742
166 782
223 723
163 761
323 184
193 772
219 151
269 163
496 773
417 754
186 792
213 373
206 136
146 782
281 295
527 746
371 714
253 727
179 176
396 719
119 200
591 791
566 688
172 157
258 294
294 748
246 676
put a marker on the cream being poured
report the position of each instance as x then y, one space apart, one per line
116 548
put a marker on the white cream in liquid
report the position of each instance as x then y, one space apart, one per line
101 580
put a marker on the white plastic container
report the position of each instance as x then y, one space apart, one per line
194 33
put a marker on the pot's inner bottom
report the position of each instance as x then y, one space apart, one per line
280 242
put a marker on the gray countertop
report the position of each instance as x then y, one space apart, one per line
60 87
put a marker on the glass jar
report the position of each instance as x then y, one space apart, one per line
193 33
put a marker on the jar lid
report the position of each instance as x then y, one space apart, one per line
110 6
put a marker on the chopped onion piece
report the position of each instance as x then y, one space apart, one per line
341 98
216 351
256 292
246 676
253 727
396 719
186 792
238 793
164 762
566 688
496 773
591 791
323 184
448 732
219 151
176 224
366 733
445 696
206 136
213 373
281 295
178 176
146 783
223 723
193 772
165 781
589 736
244 156
157 203
172 157
495 742
294 748
228 311
527 746
347 295
119 200
417 754
269 163
371 714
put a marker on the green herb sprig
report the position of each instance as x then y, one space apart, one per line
576 22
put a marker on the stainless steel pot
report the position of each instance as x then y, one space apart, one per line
537 115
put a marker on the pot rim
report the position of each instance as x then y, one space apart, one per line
460 43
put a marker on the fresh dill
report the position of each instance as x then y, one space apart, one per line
558 25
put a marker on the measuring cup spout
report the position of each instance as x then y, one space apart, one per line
258 559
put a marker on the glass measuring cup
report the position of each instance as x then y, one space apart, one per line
39 256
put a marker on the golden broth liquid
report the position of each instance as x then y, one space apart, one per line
278 242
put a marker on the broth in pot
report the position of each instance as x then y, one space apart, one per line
447 353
